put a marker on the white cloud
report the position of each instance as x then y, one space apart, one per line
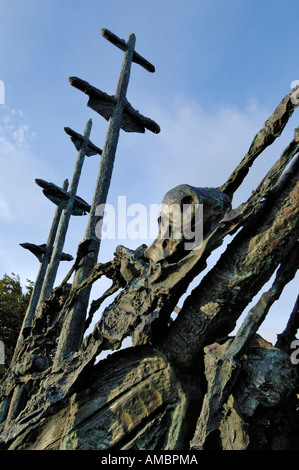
196 146
5 214
22 204
19 167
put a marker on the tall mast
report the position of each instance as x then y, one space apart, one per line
121 115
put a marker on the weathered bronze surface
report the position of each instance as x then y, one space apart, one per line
186 382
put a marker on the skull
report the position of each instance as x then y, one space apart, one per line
188 215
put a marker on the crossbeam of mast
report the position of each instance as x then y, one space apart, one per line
44 262
73 329
66 215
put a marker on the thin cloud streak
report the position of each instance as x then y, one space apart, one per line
22 206
196 146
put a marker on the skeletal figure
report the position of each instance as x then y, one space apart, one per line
188 215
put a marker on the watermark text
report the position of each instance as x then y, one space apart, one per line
2 353
137 221
295 353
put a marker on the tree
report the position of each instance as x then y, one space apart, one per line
13 305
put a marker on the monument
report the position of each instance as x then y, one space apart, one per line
186 383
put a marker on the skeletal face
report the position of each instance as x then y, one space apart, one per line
188 216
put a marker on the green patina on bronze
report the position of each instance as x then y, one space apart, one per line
183 384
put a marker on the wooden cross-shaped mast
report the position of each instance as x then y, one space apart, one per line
122 116
68 204
55 259
44 258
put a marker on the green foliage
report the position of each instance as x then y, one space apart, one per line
13 306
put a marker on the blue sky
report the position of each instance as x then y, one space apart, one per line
221 69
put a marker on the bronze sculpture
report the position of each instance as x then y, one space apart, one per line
185 384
